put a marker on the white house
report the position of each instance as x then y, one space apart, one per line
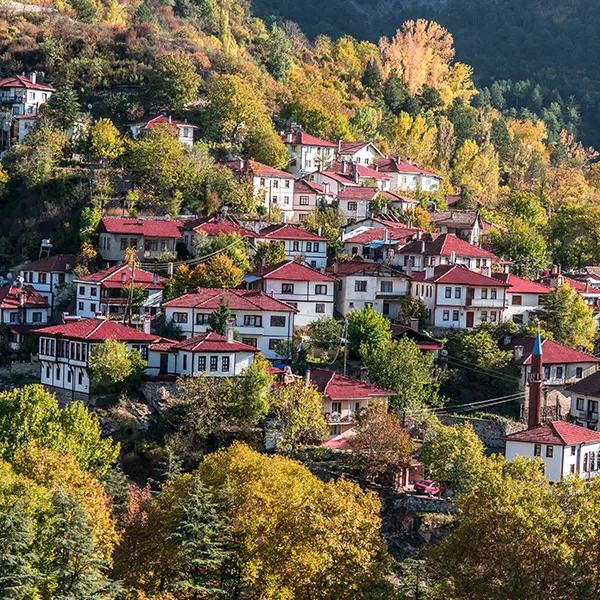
366 284
64 351
273 188
299 243
457 298
432 250
262 321
306 289
48 276
405 176
464 224
22 309
564 448
205 228
24 94
343 397
354 202
585 400
587 291
153 238
524 298
380 242
361 153
209 354
185 131
107 292
307 153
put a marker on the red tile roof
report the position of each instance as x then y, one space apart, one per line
444 244
358 193
589 386
302 186
336 386
344 269
291 270
552 352
558 433
159 228
217 225
374 234
352 147
10 297
257 169
460 275
518 285
20 81
305 139
285 231
246 300
59 263
164 120
337 171
119 276
211 342
396 165
455 218
97 330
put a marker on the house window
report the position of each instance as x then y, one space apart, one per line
484 293
537 450
273 344
225 364
277 321
202 318
295 246
593 406
123 244
275 183
352 206
320 289
202 363
69 375
457 292
309 246
580 402
287 288
573 450
185 362
262 182
493 316
249 341
304 201
81 290
180 317
493 294
80 378
448 292
360 286
320 308
41 277
517 300
286 183
93 291
484 316
57 373
316 246
36 317
252 321
286 199
455 315
546 372
585 461
387 286
93 307
47 372
559 372
214 363
579 372
446 315
549 451
593 461
275 199
336 407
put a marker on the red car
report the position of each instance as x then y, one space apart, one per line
428 486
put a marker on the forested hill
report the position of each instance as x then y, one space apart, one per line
552 43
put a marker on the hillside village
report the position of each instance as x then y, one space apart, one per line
203 300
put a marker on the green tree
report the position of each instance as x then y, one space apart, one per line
269 253
220 272
62 108
232 245
174 81
251 400
278 59
299 410
369 328
569 318
327 222
399 366
454 456
105 141
112 364
372 77
325 335
219 317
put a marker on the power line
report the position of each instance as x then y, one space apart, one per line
472 405
481 371
486 369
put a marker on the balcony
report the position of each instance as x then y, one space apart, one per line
335 418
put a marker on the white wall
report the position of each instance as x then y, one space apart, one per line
529 303
349 299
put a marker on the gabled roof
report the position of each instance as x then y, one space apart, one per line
557 433
396 165
119 276
246 300
58 263
206 342
257 169
460 275
375 234
353 147
159 228
285 231
519 285
455 218
336 386
290 270
552 352
303 186
164 120
97 330
358 193
362 171
10 297
20 81
444 244
305 139
217 225
589 386
424 342
579 286
349 268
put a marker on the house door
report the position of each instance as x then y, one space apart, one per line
164 364
470 295
470 319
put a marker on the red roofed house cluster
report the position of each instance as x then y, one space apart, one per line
184 130
22 308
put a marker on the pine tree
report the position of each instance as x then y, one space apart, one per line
18 571
201 534
77 567
218 319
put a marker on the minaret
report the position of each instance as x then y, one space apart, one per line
536 379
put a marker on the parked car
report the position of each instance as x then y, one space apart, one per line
429 487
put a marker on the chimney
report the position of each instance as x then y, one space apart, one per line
429 272
33 77
386 235
146 321
170 119
355 173
414 324
229 330
339 146
344 166
422 246
307 377
536 380
155 278
364 375
517 351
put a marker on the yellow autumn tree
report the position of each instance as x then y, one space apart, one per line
413 137
477 169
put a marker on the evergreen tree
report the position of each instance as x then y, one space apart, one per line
76 567
372 77
218 319
201 534
18 573
63 107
